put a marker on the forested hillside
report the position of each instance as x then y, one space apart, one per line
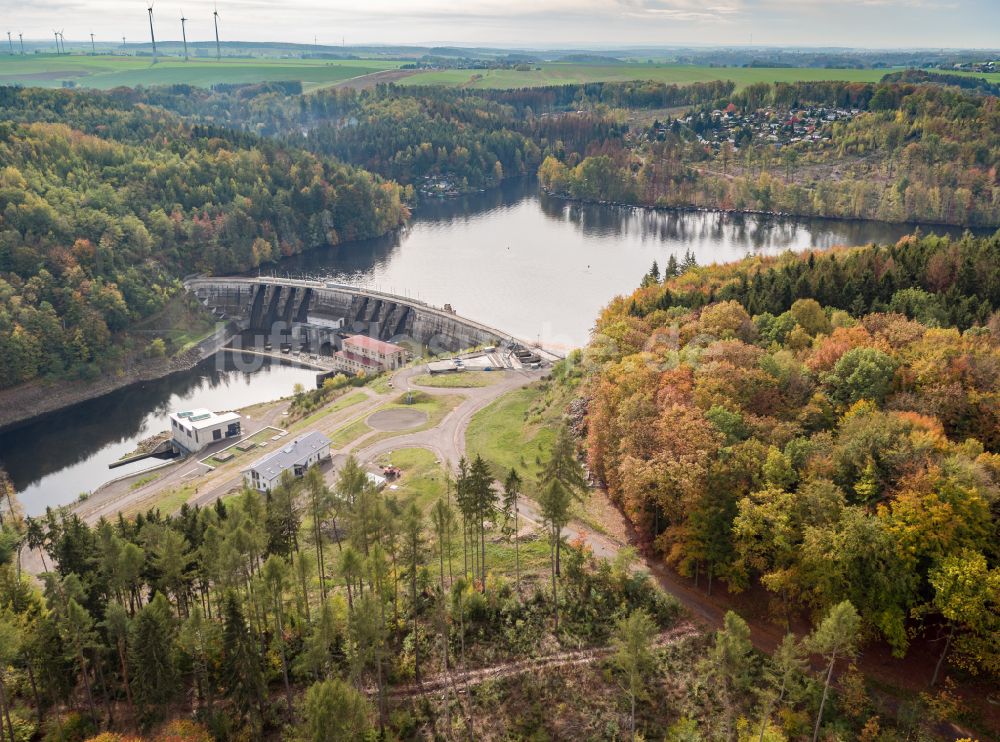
465 140
103 206
911 153
840 449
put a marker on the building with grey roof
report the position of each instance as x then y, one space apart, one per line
295 456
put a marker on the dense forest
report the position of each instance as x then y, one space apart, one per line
824 426
328 614
465 140
295 614
104 205
914 153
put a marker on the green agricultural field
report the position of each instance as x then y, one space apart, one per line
562 73
104 72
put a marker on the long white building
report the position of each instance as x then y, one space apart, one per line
296 456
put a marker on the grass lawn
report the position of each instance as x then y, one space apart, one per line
565 73
106 71
380 384
515 431
435 407
167 503
348 434
422 478
143 481
340 403
261 438
461 380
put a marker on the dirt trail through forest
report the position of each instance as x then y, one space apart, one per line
464 678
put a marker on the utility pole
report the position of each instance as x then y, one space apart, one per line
184 35
152 36
93 49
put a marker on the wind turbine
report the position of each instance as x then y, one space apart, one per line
20 37
184 35
62 38
152 36
10 42
218 49
124 48
93 49
56 34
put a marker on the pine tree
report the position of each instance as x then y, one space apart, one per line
633 655
118 627
154 674
672 269
78 627
562 481
275 576
242 676
784 675
413 528
836 636
335 712
198 638
320 505
483 498
511 526
730 661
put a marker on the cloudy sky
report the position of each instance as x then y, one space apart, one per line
531 23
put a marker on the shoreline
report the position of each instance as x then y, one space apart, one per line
22 404
981 231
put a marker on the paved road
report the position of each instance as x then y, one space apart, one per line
446 440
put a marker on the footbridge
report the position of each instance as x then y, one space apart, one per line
316 315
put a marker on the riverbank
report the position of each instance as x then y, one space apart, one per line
758 213
37 398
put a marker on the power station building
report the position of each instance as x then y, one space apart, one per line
361 353
192 430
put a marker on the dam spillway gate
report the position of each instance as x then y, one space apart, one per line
315 316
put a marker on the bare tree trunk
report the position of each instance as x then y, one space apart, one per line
517 553
555 592
944 653
826 690
6 707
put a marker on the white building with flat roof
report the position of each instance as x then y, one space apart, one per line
192 430
295 456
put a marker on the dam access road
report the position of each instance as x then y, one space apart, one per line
442 434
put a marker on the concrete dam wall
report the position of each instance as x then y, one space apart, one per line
315 314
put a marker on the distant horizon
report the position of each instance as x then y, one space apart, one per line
534 24
603 48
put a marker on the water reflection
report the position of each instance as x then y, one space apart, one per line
53 458
541 268
531 265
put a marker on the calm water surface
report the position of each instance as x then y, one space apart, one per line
53 458
527 264
539 267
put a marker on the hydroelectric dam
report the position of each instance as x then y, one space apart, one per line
314 316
